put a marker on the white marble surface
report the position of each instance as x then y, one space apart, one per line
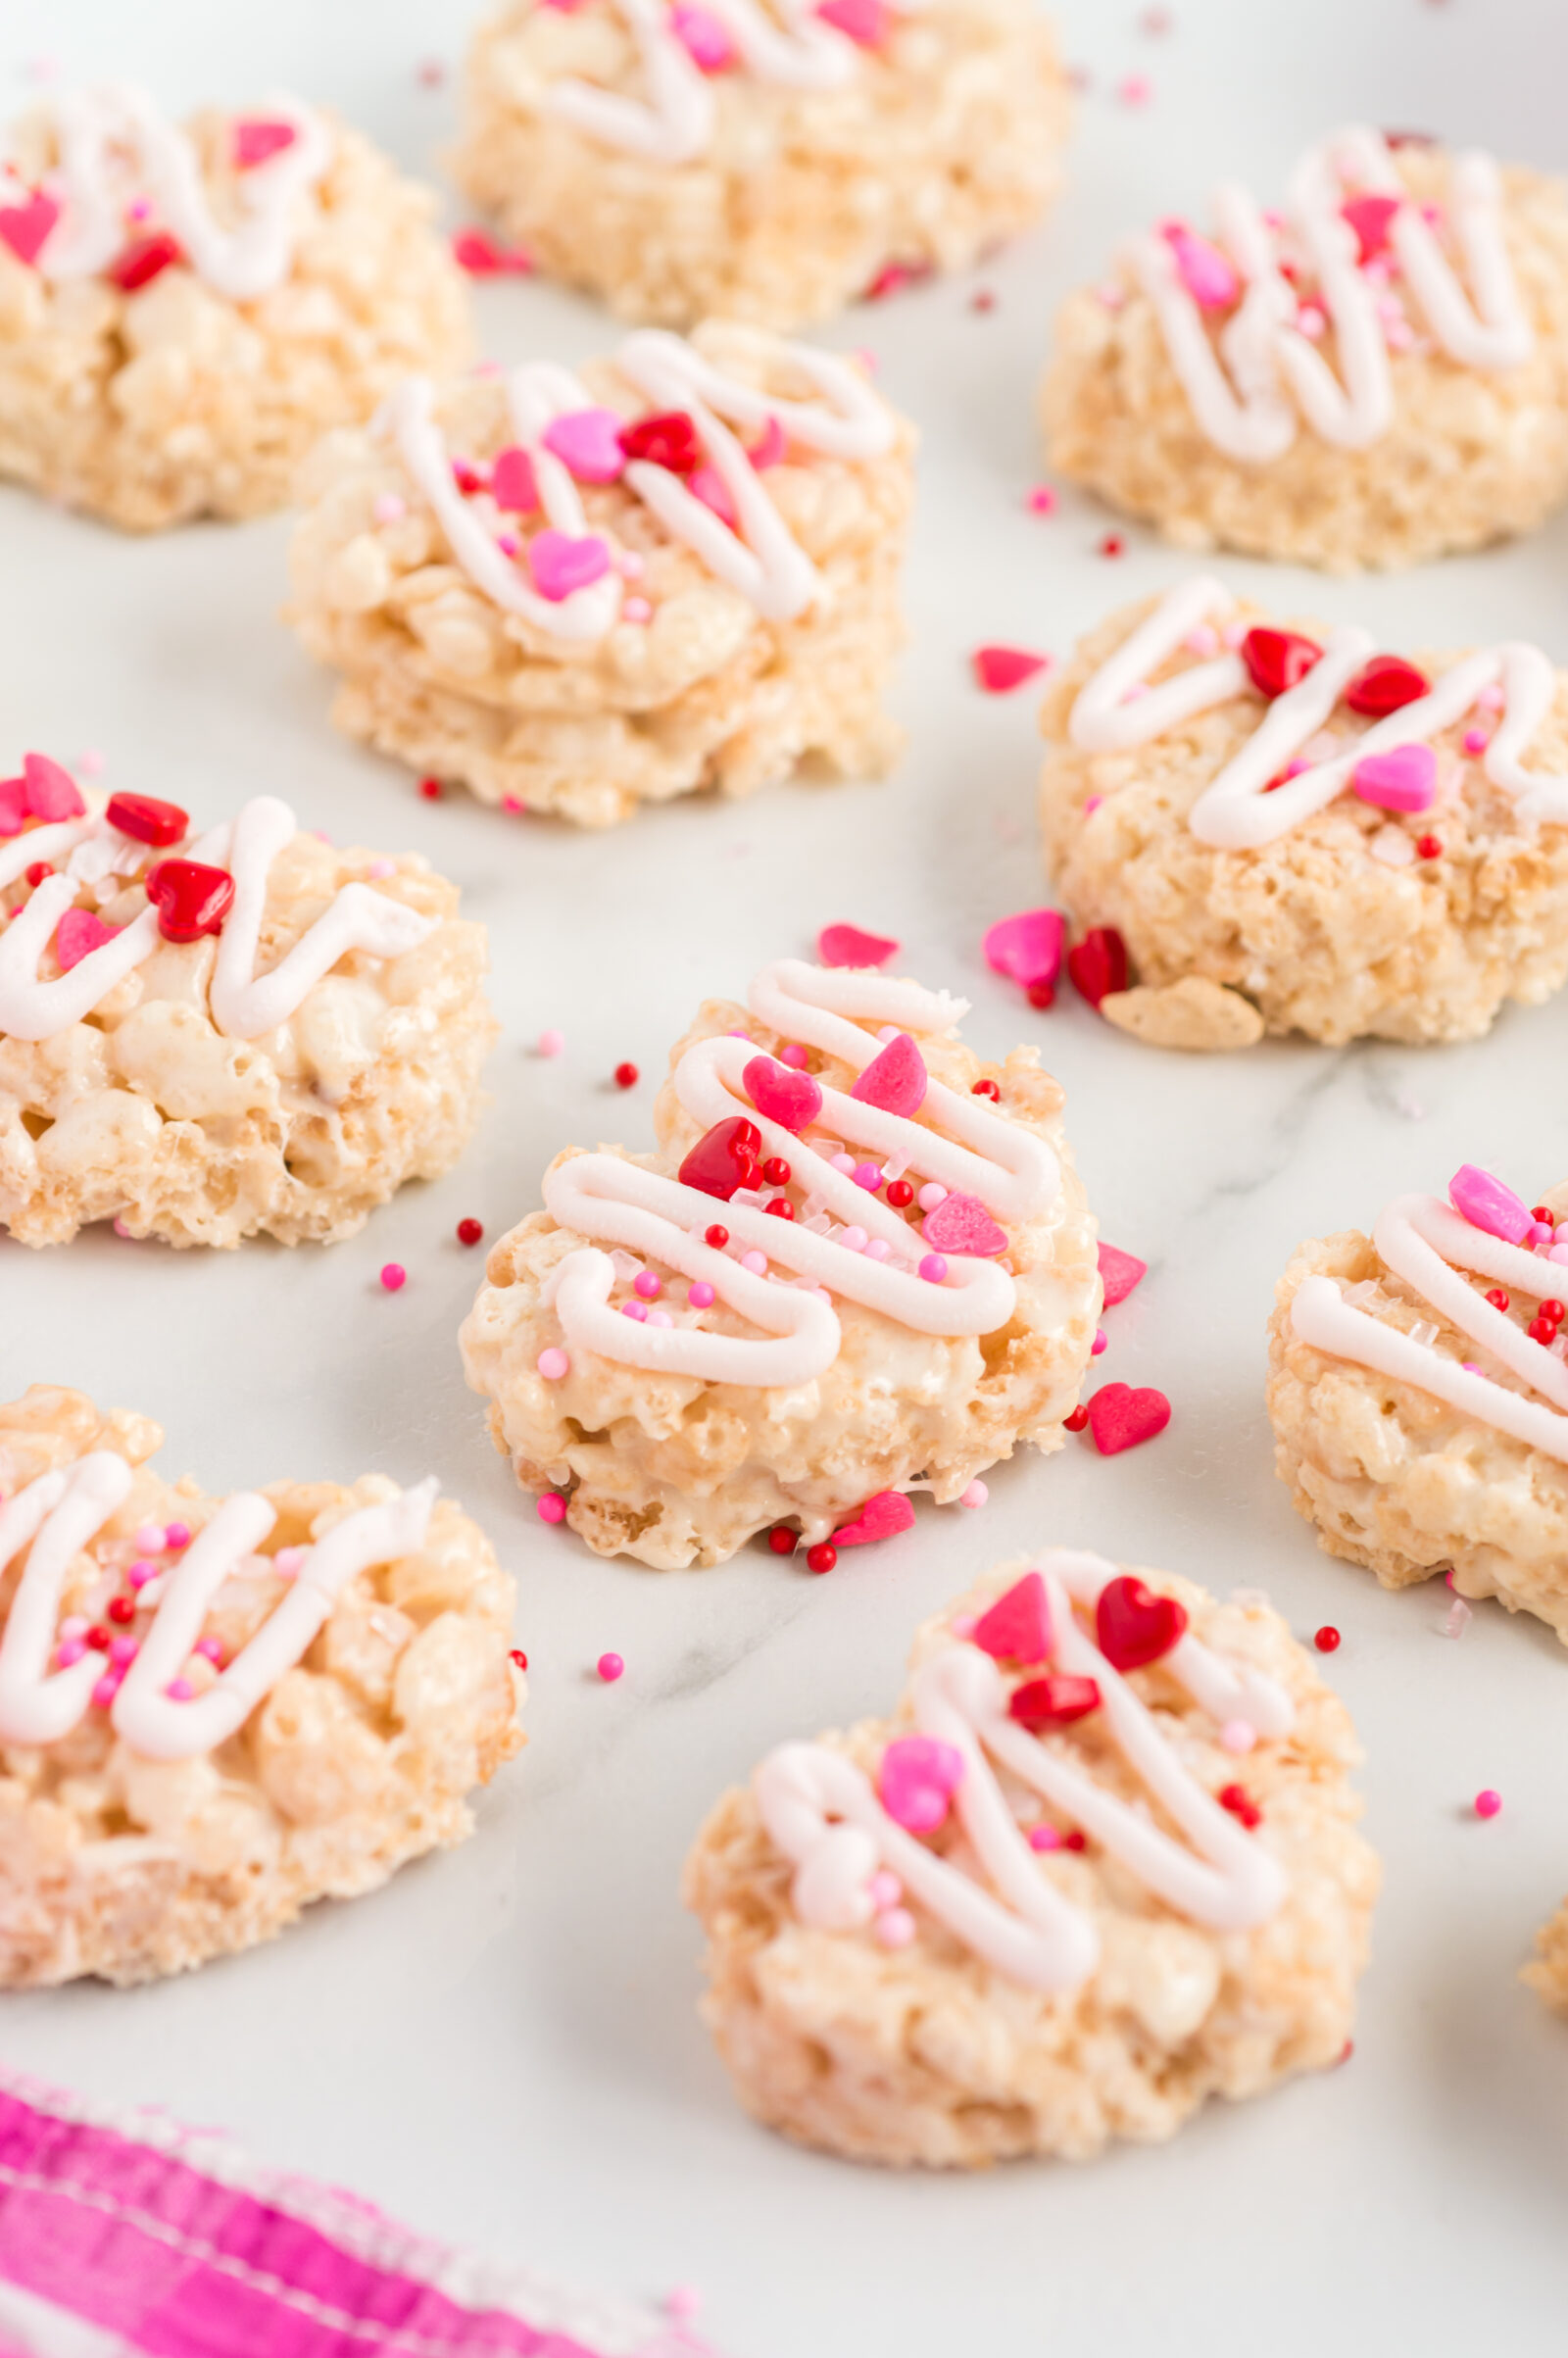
504 2044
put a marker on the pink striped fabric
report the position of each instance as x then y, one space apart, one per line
172 2246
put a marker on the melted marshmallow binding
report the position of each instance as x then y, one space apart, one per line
184 310
756 161
1300 827
579 593
1371 376
843 1276
1105 1843
207 1036
214 1711
1418 1389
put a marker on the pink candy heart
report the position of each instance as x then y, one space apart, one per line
882 1518
916 1780
707 484
1209 278
1119 1272
24 228
1026 948
961 1224
587 442
867 23
769 446
560 564
257 142
1488 1204
13 805
1001 669
705 40
853 946
511 481
51 791
1017 1627
80 932
781 1095
1404 779
897 1079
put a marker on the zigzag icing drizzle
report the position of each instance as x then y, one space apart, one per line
823 1813
1117 709
1424 1241
1247 396
244 1005
1012 1172
761 559
100 129
60 1514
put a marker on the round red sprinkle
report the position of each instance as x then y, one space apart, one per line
39 869
823 1557
781 1209
1076 1420
985 1089
1555 1311
1240 1804
715 1236
1076 1841
1042 995
519 1657
1112 545
1327 1640
121 1610
776 1171
626 1076
97 1639
470 1232
900 1194
1541 1330
982 300
1430 847
1497 1298
431 789
782 1539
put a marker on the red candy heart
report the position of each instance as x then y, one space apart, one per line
1119 1272
1017 1627
960 1223
1277 660
723 1159
782 1095
1053 1702
257 142
190 897
1001 669
50 790
24 228
145 820
1098 963
141 262
1371 217
896 1080
1120 1417
851 945
882 1518
1386 685
513 485
1133 1626
669 439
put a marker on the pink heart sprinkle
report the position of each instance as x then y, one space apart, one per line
770 447
781 1095
866 22
1017 1627
916 1780
882 1518
1404 779
705 40
707 484
560 564
1203 270
13 805
51 791
256 142
1001 669
1488 1204
80 932
477 251
1028 946
853 946
588 443
513 485
1119 1417
24 228
1371 217
961 1224
896 1079
1119 1272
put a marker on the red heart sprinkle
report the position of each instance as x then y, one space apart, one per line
882 1518
781 1095
50 790
141 262
1098 963
81 931
24 228
961 1224
1001 669
896 1079
1133 1626
1017 1627
1371 217
853 946
256 141
190 897
145 820
1386 685
1053 1702
723 1159
1119 1417
668 439
513 484
1119 1273
1277 660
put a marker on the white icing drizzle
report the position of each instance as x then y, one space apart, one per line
822 1812
243 1004
966 1149
59 1513
99 128
1246 396
1235 812
761 559
1424 1241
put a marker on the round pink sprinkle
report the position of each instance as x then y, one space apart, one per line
508 543
1238 1736
854 1238
646 1285
75 1625
379 869
1492 699
121 1229
975 1496
931 1196
180 1690
1487 1804
610 1668
1041 501
884 1891
868 1175
149 1538
289 1561
660 1318
699 1294
177 1536
895 1928
844 1163
1558 1254
1475 741
933 1268
550 1043
1099 1343
211 1649
634 1309
1538 1233
69 1651
683 2301
794 1055
1092 805
141 1572
1044 1837
753 1261
636 610
552 1507
394 1277
1135 90
108 1687
552 1363
737 1031
878 1249
389 507
124 1649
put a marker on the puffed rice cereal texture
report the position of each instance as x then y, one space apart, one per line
1547 1971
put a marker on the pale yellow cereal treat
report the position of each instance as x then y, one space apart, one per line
1373 376
756 159
859 1264
183 312
1419 1396
579 594
214 1711
1280 828
1548 1971
1100 1865
209 1036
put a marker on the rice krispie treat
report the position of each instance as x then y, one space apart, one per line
185 312
215 1710
767 162
1547 1971
579 594
890 1274
1098 1865
1375 376
209 1038
1287 830
1418 1389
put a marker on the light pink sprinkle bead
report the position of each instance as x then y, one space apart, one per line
108 1687
552 1363
69 1651
756 1262
684 2300
699 1294
636 610
933 1268
210 1651
878 1248
180 1690
550 1043
884 1891
931 1195
975 1496
389 507
660 1318
1475 741
149 1538
1558 1254
853 1238
73 1626
288 1562
177 1536
1238 1736
141 1572
634 1309
1491 698
552 1507
794 1055
895 1928
868 1175
124 1649
646 1285
1044 1837
844 1163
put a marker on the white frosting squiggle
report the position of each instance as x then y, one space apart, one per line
965 1149
1424 1241
58 1514
1245 397
1235 812
823 1813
